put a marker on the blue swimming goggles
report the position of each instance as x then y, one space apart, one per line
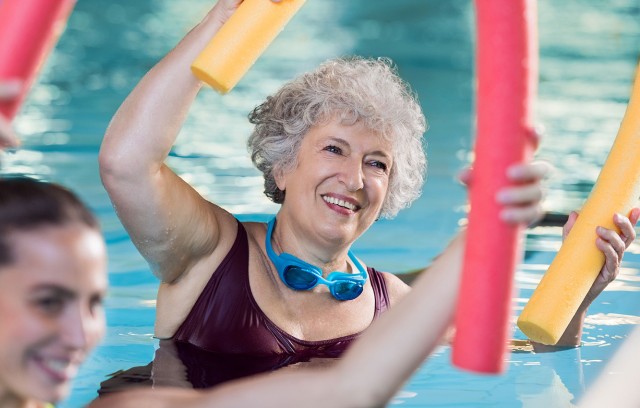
300 275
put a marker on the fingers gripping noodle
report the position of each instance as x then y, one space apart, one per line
578 263
241 40
28 31
507 81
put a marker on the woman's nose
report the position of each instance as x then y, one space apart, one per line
81 329
351 175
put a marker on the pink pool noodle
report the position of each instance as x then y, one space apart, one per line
28 31
507 82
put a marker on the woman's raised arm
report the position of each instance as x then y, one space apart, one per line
169 222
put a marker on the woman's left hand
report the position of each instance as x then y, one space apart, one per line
612 244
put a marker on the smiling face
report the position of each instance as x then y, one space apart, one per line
340 182
50 309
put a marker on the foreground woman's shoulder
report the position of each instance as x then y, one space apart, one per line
396 288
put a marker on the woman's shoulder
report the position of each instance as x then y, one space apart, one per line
396 288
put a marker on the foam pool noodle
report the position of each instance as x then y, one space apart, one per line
29 30
241 40
578 262
507 63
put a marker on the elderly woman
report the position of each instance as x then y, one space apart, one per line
339 147
52 281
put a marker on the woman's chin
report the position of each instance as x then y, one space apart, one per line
47 389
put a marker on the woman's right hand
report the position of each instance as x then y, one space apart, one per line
224 9
8 91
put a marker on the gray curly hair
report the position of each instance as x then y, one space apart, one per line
358 90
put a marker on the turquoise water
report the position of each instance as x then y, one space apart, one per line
588 53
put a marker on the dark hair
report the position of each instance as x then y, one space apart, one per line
27 204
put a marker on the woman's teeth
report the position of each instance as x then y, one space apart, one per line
341 203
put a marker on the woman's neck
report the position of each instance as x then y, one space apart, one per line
328 258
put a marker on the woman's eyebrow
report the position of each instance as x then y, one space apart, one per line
338 140
56 289
381 153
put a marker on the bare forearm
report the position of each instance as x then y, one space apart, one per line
310 388
391 350
571 337
147 123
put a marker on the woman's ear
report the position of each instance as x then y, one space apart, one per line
280 177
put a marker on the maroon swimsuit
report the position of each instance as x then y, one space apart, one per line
226 318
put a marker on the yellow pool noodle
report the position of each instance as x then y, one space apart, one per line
241 40
576 266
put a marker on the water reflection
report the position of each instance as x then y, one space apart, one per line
551 379
541 386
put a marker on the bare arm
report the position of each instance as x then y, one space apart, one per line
410 331
170 223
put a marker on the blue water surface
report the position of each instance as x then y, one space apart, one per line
588 51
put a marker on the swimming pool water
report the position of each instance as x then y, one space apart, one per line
588 52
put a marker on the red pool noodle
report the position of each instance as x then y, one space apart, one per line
28 31
507 81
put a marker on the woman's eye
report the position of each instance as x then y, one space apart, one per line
380 165
50 305
96 303
333 149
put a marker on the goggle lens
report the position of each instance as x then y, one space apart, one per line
345 290
299 279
